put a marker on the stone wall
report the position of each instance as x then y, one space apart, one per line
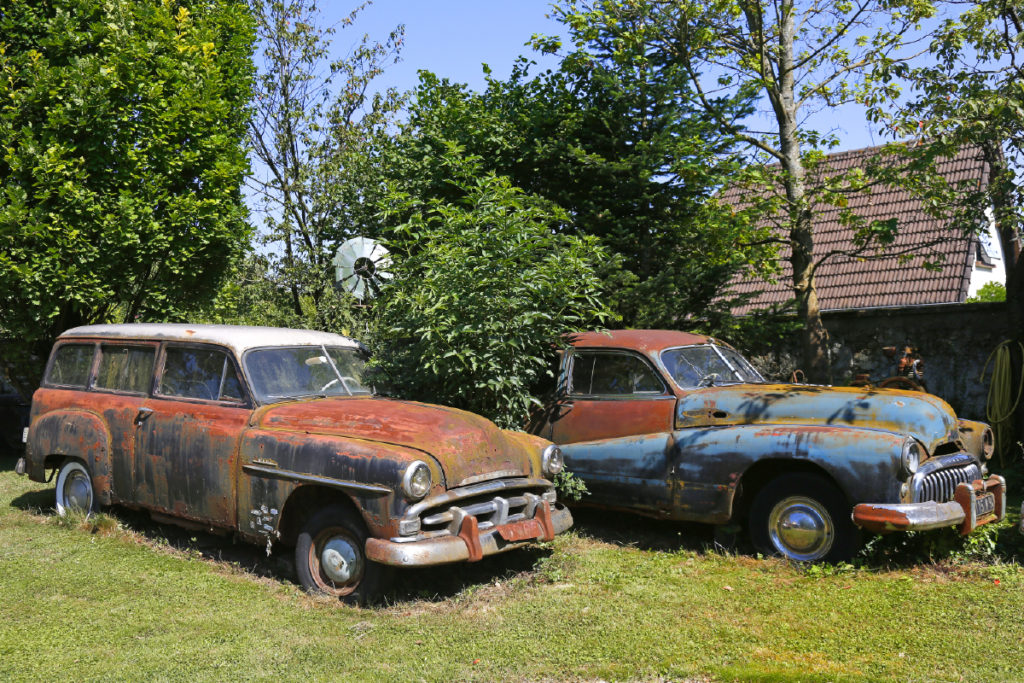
953 340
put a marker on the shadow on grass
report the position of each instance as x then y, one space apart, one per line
645 533
41 499
433 584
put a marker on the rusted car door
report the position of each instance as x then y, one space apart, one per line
123 380
614 423
188 435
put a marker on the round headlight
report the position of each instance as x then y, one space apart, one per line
911 457
552 461
988 443
416 481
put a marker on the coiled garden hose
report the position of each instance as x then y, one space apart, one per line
999 410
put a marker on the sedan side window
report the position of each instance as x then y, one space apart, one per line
200 373
613 374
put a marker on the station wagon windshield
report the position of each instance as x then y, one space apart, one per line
708 365
284 373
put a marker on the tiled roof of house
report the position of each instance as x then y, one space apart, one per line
845 282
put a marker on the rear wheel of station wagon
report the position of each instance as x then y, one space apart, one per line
74 489
330 558
803 517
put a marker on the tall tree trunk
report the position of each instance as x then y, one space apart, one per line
813 336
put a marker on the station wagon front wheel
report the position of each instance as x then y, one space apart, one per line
330 558
803 517
74 489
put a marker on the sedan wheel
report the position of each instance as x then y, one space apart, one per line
803 517
801 528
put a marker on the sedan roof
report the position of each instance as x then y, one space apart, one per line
640 340
240 338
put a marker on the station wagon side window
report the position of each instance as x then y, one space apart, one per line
597 373
199 373
71 365
124 367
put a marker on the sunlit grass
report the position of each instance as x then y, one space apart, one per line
115 597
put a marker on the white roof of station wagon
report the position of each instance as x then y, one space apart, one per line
239 338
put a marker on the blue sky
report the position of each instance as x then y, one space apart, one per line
453 38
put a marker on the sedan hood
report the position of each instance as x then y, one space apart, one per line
923 416
467 447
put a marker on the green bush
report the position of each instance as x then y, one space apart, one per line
483 292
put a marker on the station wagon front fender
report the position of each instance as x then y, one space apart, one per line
73 433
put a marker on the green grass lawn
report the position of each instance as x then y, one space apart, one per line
122 598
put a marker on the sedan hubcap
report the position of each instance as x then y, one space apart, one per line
801 528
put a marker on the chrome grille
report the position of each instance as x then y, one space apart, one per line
490 511
940 485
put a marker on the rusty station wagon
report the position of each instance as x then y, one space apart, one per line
681 426
270 433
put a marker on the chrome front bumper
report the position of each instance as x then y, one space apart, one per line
471 544
974 504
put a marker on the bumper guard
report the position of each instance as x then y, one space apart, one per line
470 544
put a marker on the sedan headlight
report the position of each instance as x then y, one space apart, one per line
552 461
911 457
988 443
416 481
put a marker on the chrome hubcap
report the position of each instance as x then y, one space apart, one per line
340 561
78 491
801 528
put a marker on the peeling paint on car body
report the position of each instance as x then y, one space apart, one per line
221 459
703 451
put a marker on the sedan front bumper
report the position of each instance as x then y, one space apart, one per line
973 504
471 544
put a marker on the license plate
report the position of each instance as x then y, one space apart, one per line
985 504
521 531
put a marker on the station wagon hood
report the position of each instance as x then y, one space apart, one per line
923 416
467 447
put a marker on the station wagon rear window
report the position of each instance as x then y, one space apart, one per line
71 365
199 373
282 373
126 368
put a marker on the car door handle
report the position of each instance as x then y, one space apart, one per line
144 413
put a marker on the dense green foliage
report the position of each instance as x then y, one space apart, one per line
792 58
121 129
483 291
618 146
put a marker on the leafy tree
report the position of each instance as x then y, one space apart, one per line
616 144
990 291
121 130
967 93
315 135
483 292
796 58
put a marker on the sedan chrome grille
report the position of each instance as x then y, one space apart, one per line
940 485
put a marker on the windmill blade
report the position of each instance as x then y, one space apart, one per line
361 267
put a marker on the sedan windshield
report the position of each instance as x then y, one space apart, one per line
707 365
283 373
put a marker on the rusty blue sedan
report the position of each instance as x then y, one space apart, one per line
681 426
